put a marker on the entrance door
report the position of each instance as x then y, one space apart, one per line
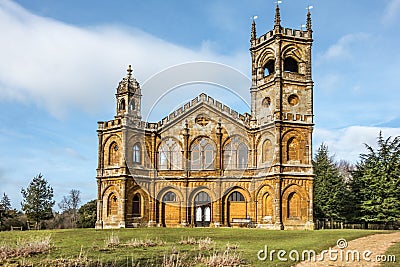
203 216
202 209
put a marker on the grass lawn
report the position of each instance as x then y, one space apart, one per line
92 244
393 250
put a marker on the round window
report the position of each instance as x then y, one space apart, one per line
293 100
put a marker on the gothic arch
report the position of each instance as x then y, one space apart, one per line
197 190
112 151
294 148
266 55
169 154
265 197
294 51
111 200
137 139
169 213
236 208
143 203
235 153
295 203
122 105
203 152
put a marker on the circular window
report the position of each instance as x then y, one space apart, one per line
266 102
293 100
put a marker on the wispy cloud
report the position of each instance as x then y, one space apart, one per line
348 143
62 67
342 48
391 12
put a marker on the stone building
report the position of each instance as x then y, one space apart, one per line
207 165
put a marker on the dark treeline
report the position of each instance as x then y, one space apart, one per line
366 192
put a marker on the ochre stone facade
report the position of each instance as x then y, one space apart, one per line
207 165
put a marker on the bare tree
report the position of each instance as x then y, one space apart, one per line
70 204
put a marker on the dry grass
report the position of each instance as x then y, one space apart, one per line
112 241
204 243
172 260
135 243
229 257
25 247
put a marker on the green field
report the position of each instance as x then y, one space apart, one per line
93 247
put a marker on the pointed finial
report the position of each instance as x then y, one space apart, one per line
253 28
309 24
129 70
278 14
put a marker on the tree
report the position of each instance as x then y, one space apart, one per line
69 204
87 215
329 187
378 180
5 209
38 200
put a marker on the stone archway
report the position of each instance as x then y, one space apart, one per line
202 209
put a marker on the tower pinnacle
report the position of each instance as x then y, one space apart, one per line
253 30
129 70
309 24
277 16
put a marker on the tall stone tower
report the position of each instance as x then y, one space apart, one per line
282 104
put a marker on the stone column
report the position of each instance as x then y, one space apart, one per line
99 221
278 204
219 157
123 204
186 165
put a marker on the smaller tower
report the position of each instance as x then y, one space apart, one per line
128 97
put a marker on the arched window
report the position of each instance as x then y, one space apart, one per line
293 205
236 197
269 67
267 204
136 205
170 156
235 154
202 155
132 104
290 65
267 152
137 153
202 198
169 197
122 104
112 205
243 153
293 149
113 156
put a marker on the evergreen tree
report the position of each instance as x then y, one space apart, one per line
87 215
329 187
38 200
5 209
378 181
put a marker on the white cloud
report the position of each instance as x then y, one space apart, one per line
63 68
348 143
391 12
342 48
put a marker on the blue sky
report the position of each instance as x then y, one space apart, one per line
62 60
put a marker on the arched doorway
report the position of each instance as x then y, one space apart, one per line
170 214
236 208
202 209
